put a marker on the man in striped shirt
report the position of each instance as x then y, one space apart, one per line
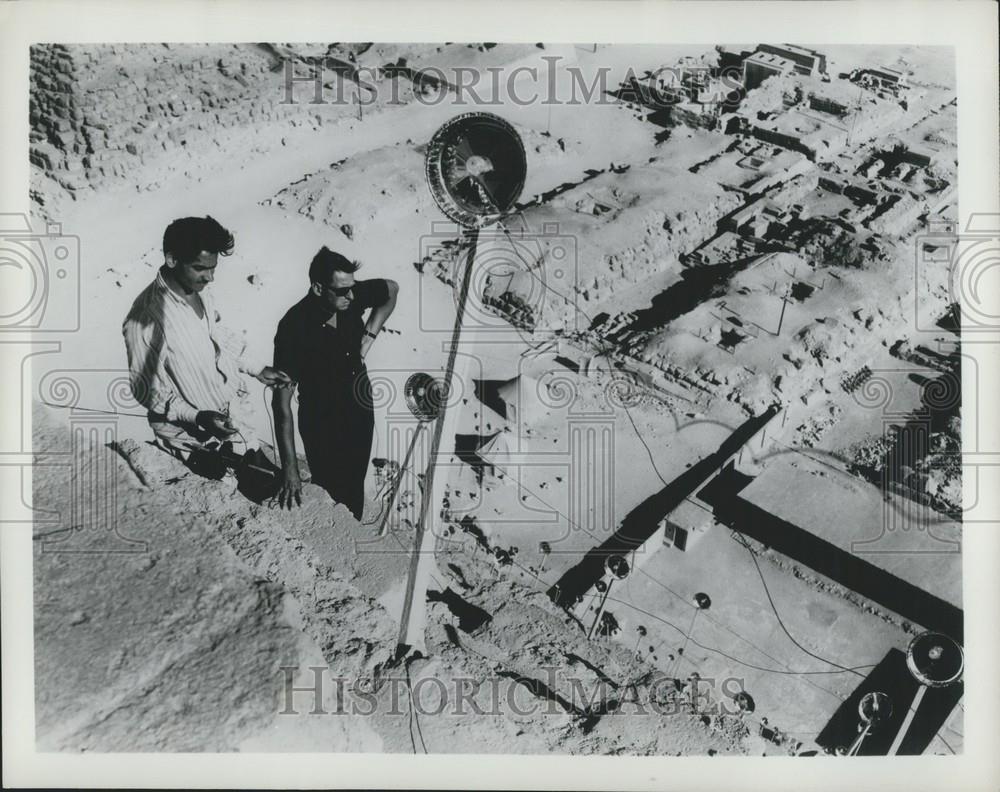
180 366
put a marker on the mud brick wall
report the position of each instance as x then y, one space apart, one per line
132 113
98 112
55 119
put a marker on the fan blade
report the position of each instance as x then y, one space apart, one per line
463 149
457 174
490 183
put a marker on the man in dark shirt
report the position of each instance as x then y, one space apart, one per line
321 344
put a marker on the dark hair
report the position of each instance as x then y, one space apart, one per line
326 262
186 238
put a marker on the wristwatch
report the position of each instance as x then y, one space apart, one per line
371 334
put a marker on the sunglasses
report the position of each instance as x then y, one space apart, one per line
339 291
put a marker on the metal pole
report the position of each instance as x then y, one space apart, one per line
414 603
399 479
856 745
600 610
784 302
911 713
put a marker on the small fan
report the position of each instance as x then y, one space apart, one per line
425 397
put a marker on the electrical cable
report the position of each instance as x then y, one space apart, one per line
94 410
787 671
414 712
649 451
687 639
777 615
722 626
413 741
380 496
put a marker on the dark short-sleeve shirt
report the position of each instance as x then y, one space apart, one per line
326 361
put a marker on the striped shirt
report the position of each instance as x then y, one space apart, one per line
179 362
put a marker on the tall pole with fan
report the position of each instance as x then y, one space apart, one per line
475 167
935 660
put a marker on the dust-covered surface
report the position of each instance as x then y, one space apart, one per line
694 308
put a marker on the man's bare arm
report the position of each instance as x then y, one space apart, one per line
378 316
291 482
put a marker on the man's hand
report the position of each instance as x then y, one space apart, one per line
216 424
291 489
272 376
